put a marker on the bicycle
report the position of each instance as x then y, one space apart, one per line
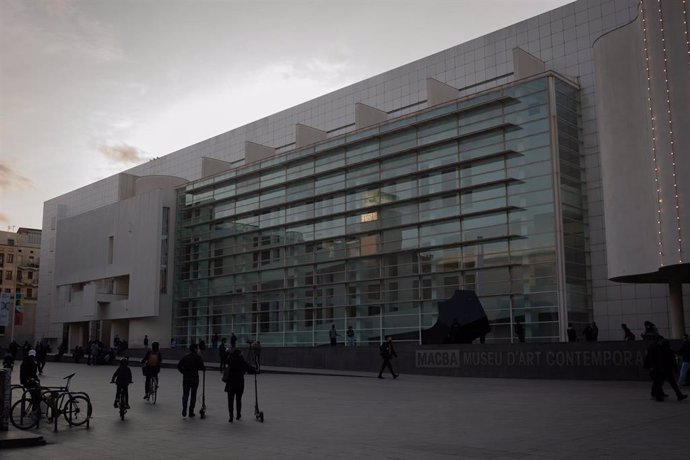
152 391
75 407
121 404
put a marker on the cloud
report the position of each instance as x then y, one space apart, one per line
123 153
9 178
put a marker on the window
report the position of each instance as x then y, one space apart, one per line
111 242
8 275
30 275
29 293
10 258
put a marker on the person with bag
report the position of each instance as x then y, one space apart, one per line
152 366
661 362
233 376
387 352
189 366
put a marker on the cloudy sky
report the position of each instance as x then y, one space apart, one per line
89 88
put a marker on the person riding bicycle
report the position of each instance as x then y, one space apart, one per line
152 366
28 376
122 378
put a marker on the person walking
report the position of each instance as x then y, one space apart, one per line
233 340
387 352
189 366
595 332
333 334
146 341
152 366
256 346
628 335
685 355
234 380
662 364
93 352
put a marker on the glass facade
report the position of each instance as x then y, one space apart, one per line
373 228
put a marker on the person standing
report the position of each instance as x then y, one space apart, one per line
595 331
152 366
685 355
234 380
650 331
520 331
233 340
41 353
189 366
28 376
333 334
350 337
14 348
387 352
214 341
222 350
572 335
146 341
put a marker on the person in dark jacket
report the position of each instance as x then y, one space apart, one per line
122 378
628 335
572 335
28 377
684 353
662 364
234 380
189 366
387 352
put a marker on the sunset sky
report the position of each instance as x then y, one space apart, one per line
89 88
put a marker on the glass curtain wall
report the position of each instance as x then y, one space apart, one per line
374 228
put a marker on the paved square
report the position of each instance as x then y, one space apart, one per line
359 416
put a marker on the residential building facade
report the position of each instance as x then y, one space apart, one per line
19 267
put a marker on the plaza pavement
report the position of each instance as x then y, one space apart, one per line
357 416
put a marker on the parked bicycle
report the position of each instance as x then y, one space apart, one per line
54 401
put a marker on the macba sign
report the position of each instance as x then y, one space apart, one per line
585 358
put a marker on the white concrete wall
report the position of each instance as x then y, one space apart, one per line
81 256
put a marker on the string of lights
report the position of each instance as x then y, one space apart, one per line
669 116
685 28
653 126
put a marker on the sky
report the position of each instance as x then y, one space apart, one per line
90 88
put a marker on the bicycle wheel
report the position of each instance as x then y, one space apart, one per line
23 415
77 410
154 389
123 407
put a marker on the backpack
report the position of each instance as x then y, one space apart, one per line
383 349
153 360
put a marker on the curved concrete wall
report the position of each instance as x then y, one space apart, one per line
642 74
